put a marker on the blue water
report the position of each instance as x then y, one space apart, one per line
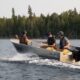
17 66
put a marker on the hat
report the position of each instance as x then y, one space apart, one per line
61 33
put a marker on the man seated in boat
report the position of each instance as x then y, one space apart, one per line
24 39
64 41
51 42
64 44
66 49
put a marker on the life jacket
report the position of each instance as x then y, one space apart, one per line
63 42
51 40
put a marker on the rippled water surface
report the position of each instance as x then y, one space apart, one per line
24 71
27 67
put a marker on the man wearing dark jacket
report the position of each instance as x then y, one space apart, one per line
51 40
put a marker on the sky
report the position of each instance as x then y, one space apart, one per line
38 6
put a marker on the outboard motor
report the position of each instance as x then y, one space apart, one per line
75 53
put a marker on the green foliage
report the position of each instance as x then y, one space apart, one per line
38 27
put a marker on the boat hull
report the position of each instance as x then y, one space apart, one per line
22 48
57 55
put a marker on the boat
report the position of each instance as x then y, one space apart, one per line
63 56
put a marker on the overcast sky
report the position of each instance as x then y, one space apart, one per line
38 6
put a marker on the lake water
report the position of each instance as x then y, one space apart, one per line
16 66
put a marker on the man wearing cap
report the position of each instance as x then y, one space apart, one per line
64 42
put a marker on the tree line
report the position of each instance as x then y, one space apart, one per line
39 26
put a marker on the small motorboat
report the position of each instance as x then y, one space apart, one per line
68 56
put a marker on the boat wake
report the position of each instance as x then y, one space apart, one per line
24 57
55 63
32 58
